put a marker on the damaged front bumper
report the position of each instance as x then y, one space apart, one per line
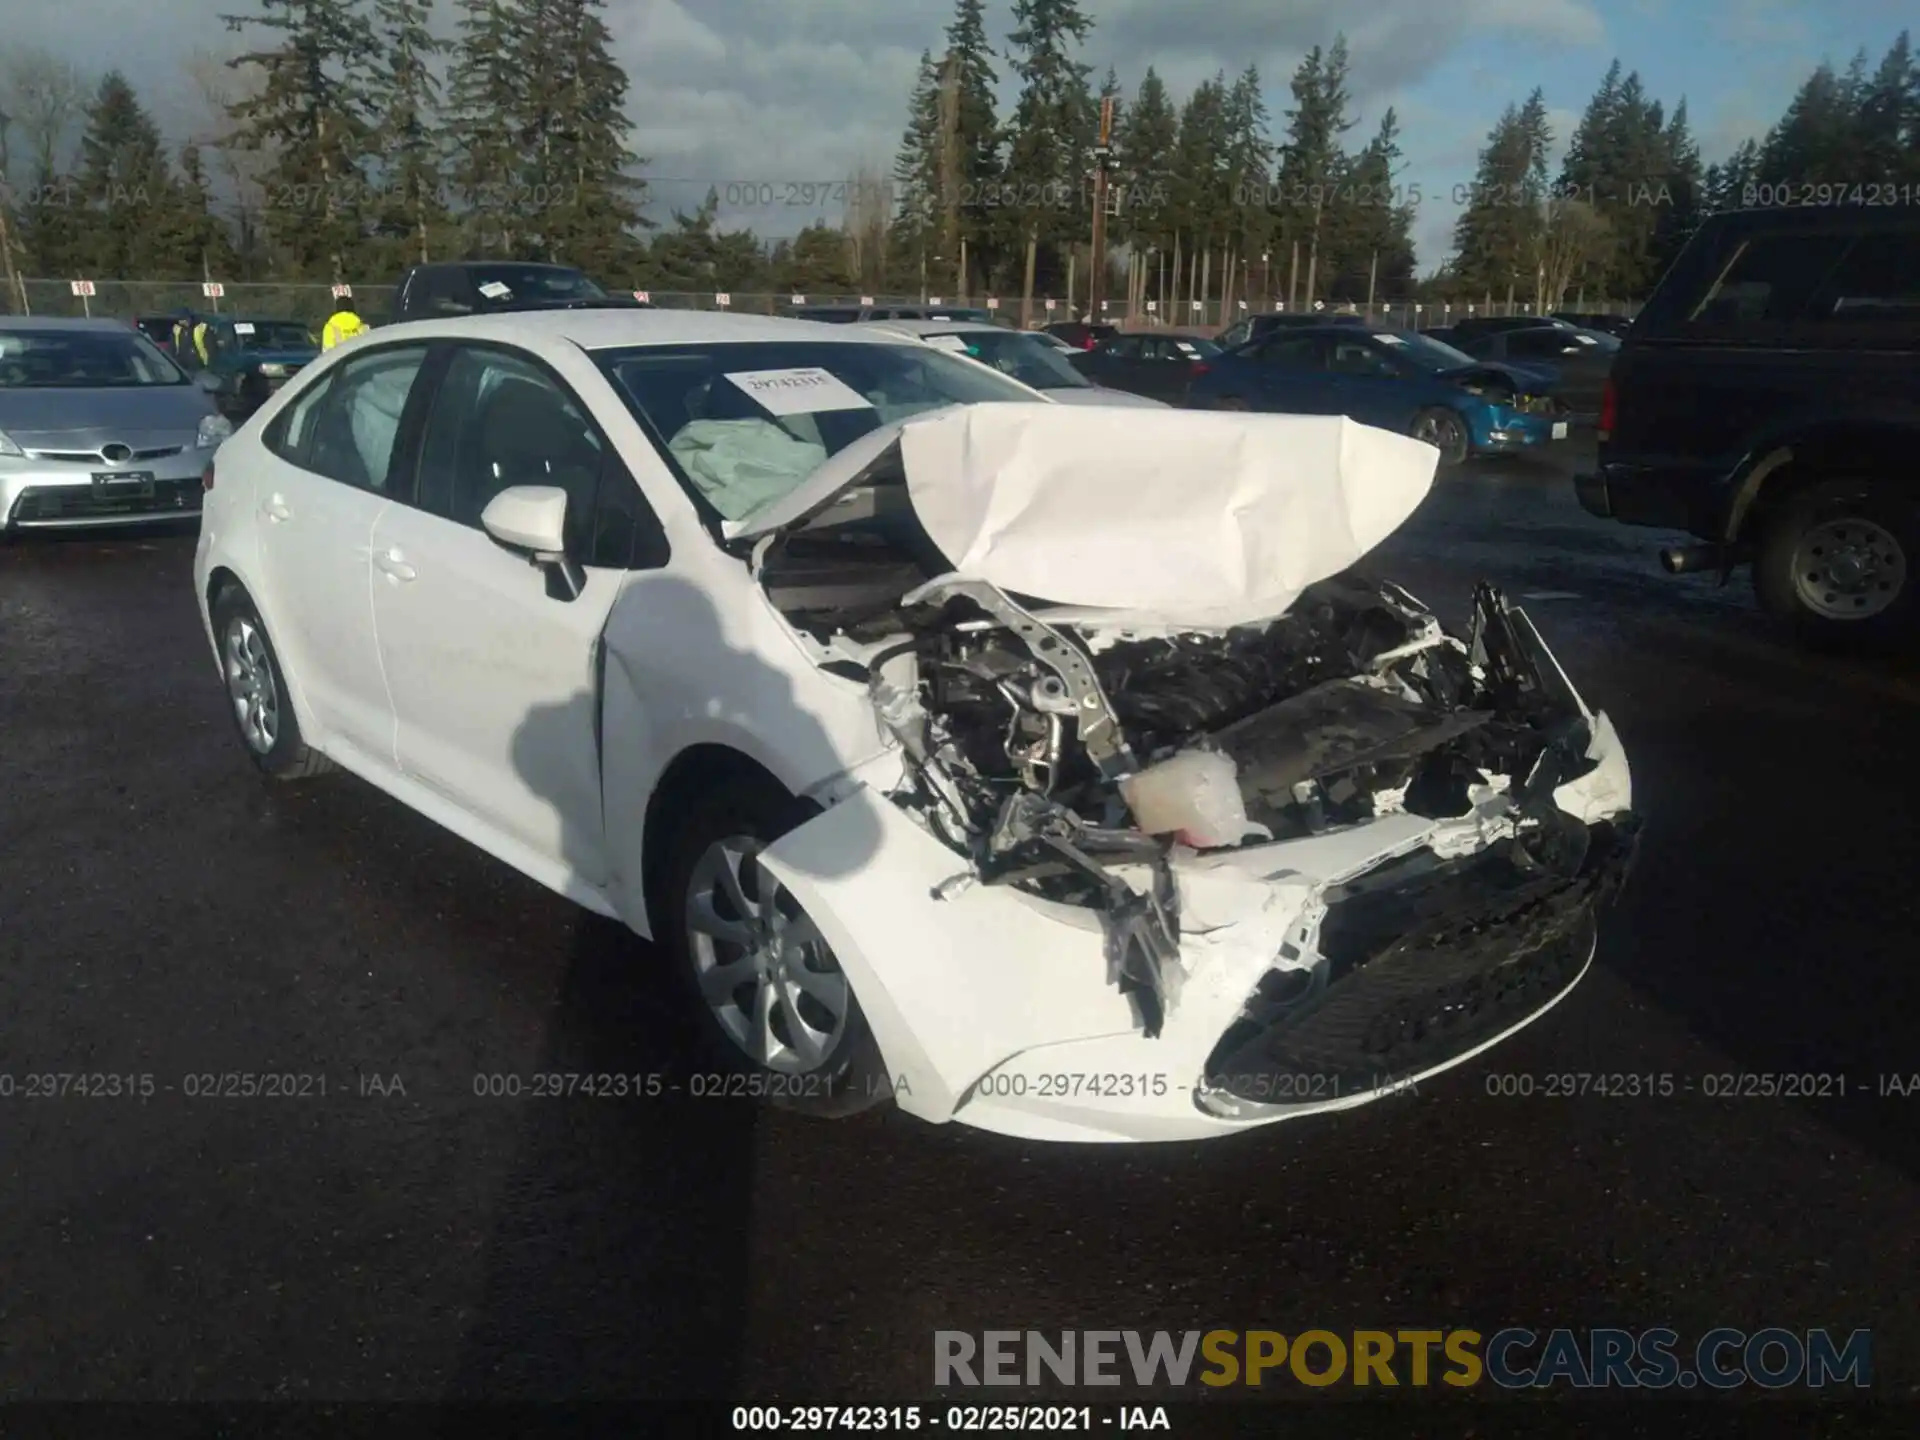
1277 979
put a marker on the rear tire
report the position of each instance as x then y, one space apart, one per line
789 1022
1834 564
257 695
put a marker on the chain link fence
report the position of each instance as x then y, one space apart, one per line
312 303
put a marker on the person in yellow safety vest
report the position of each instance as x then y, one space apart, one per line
343 324
200 343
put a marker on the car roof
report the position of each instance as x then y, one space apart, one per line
936 327
596 329
63 322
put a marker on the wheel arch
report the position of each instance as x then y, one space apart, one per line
696 768
1791 463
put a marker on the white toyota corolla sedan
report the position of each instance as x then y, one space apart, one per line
1044 768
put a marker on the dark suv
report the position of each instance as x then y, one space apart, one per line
1767 401
479 287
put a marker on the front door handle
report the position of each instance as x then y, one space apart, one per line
276 510
394 565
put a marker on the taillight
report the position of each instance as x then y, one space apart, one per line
1200 367
1609 409
1087 344
206 477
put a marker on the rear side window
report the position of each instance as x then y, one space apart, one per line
1769 280
1876 284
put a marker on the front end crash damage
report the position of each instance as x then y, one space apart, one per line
1409 863
1130 877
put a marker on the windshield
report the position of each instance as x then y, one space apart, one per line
1029 360
271 335
1429 353
503 283
82 359
744 424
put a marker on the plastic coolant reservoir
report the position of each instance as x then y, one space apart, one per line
1195 796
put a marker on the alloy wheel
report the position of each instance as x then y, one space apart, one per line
250 685
762 966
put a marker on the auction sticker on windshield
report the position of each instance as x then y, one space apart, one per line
494 290
241 327
949 342
1390 339
807 390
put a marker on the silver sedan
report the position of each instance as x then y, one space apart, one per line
98 427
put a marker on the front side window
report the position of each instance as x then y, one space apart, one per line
499 420
741 425
1356 357
1290 352
1015 353
357 420
55 358
271 335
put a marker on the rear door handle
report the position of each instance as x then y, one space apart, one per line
394 564
276 510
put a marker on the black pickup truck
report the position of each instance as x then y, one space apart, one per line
1767 401
484 287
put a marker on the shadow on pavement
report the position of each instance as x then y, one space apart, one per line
619 1265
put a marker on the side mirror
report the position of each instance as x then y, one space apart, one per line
209 382
532 519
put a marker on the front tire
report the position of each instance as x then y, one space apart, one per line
773 1002
257 694
1443 429
1834 563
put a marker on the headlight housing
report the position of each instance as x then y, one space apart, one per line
213 429
7 447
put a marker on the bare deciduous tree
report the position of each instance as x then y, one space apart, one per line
869 210
45 99
1572 235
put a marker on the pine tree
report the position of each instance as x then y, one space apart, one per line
1682 184
310 113
126 184
405 96
580 199
1725 185
816 263
916 176
1814 140
1497 237
1046 156
977 139
1376 238
1889 118
1248 161
486 95
1313 157
1201 190
1149 131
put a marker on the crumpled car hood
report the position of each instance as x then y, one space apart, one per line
1218 516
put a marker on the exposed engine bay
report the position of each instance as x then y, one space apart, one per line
1076 759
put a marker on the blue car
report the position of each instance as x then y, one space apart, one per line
1394 379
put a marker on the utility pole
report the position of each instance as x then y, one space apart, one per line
1101 152
1373 275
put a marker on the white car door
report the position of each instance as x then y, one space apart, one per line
493 668
324 482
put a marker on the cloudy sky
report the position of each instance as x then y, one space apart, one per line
773 93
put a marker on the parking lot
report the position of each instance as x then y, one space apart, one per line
392 1231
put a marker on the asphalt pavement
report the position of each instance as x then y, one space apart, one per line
164 916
